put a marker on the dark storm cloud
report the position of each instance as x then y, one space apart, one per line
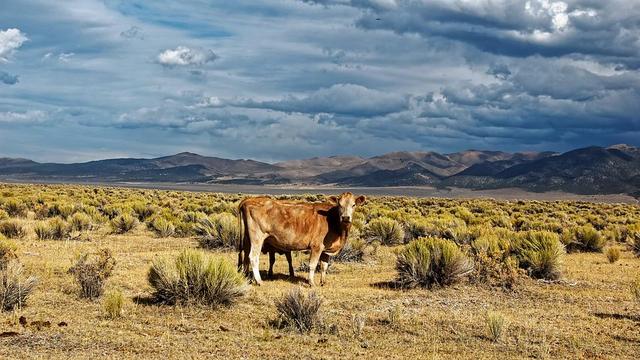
281 79
345 99
7 78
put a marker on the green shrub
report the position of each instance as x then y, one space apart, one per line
583 238
384 230
298 310
15 287
14 208
80 222
162 227
114 304
218 231
540 253
194 277
123 223
60 229
91 272
143 211
61 209
13 229
494 265
416 228
429 262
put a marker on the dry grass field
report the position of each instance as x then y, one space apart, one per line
577 304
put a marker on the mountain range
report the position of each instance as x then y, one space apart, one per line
591 170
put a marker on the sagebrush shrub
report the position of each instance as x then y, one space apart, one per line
195 277
80 222
91 271
429 262
15 208
162 227
143 211
384 230
123 223
540 253
298 310
13 229
583 238
15 286
60 229
219 231
493 260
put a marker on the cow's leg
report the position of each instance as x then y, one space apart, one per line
254 256
256 241
290 261
313 263
272 260
324 264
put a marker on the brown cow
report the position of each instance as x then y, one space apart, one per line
321 228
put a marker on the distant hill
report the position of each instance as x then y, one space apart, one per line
591 170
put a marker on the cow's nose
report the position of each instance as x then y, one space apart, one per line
346 219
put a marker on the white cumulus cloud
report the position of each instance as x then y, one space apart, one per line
184 56
10 40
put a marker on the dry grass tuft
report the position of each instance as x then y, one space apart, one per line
114 304
7 252
15 288
613 254
299 311
495 325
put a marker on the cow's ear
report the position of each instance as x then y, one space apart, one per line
334 199
360 200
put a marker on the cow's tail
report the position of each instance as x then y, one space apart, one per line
243 232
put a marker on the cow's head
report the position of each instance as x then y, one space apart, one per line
346 203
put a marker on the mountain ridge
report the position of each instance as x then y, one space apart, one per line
589 170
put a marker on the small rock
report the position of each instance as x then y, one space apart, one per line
8 333
23 320
62 323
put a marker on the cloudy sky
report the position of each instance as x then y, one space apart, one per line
273 80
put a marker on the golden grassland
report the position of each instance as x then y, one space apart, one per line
589 313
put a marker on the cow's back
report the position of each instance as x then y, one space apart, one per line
288 225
